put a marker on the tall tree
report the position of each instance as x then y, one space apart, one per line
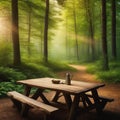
114 54
15 33
89 14
46 32
75 29
104 36
29 28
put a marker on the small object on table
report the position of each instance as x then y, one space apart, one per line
68 79
56 81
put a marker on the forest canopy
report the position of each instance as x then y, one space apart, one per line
74 29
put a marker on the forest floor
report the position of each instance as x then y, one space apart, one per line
111 111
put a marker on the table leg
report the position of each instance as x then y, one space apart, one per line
86 101
27 90
55 98
17 104
96 100
74 106
39 93
68 100
25 108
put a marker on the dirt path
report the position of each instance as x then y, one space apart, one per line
110 90
80 74
111 111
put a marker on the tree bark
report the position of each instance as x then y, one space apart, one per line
89 15
15 33
104 36
75 28
114 54
29 30
46 32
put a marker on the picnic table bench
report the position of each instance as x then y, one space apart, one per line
98 104
18 97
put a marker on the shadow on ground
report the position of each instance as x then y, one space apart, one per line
62 115
8 112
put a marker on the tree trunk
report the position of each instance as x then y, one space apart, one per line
41 38
15 33
75 28
89 16
114 54
46 32
29 31
104 36
67 40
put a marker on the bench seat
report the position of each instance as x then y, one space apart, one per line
91 102
31 102
102 98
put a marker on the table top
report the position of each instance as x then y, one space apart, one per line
76 87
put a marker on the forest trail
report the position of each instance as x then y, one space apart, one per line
79 74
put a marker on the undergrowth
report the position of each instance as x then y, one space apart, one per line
10 74
110 76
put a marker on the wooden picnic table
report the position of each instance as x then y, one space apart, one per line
75 93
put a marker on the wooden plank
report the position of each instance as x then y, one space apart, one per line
31 102
86 101
76 87
56 96
39 93
99 102
102 98
74 106
68 100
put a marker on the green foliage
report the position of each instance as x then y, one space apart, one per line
51 65
111 76
33 70
9 86
94 67
5 55
9 74
36 69
55 66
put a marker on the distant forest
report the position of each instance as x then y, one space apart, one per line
64 30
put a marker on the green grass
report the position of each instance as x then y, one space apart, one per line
56 67
33 70
110 76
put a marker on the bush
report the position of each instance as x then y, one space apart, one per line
33 70
9 86
110 76
5 53
9 74
58 66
